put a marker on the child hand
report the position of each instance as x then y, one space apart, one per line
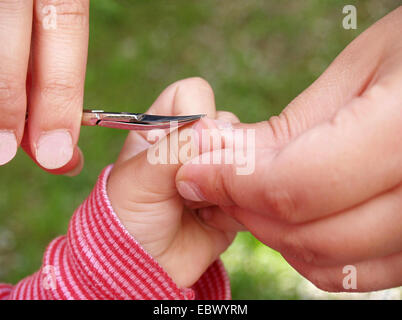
145 198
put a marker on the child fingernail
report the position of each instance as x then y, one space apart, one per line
54 149
8 146
190 191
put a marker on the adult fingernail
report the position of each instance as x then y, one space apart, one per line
54 149
8 146
189 191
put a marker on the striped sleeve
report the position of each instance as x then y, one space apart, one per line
99 259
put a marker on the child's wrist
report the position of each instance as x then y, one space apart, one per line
120 249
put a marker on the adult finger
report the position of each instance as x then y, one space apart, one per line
322 102
332 167
59 55
15 36
345 79
327 169
72 168
369 231
371 275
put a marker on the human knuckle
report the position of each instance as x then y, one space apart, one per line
10 92
281 127
366 104
387 93
61 90
380 91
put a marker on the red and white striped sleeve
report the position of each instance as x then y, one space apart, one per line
98 259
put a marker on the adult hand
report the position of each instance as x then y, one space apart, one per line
327 187
42 71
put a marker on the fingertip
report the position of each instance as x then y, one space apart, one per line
73 167
54 149
77 170
227 116
187 96
8 146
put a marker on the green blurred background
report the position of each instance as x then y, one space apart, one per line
257 55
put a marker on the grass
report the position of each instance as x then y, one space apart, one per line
257 55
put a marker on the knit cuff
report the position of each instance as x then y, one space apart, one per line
113 265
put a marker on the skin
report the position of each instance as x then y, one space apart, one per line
327 187
145 198
326 191
42 73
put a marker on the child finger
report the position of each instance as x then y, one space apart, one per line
184 97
